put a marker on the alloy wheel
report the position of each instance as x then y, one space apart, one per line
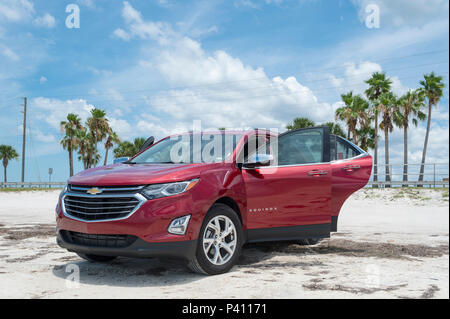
219 240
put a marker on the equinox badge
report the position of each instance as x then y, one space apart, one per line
94 191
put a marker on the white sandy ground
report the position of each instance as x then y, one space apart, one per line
390 244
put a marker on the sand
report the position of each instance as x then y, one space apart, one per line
390 244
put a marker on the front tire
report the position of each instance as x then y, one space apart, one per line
219 242
96 258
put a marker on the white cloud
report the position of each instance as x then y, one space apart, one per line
247 97
16 10
42 80
164 3
87 3
122 128
387 43
437 151
200 32
122 34
96 71
10 54
406 12
246 3
140 28
41 137
53 111
46 21
355 75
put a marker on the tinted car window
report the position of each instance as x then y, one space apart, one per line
302 147
207 148
342 149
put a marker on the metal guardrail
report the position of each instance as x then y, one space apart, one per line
32 184
435 175
409 184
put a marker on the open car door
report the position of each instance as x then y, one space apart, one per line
351 168
291 199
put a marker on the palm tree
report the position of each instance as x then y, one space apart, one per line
300 122
99 128
138 143
388 107
344 112
110 141
70 141
335 128
433 88
354 112
86 148
7 153
410 109
366 137
378 84
129 149
361 111
124 149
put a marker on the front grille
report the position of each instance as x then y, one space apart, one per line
82 189
96 240
111 203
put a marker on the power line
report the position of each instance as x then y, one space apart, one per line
346 87
272 86
252 79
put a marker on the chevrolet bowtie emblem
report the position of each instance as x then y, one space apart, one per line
94 191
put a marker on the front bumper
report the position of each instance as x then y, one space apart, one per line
139 248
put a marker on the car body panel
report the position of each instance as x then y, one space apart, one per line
348 176
289 196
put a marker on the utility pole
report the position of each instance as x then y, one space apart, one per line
24 137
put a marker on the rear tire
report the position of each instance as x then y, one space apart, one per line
309 241
219 242
96 258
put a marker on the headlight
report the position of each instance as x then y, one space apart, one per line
169 189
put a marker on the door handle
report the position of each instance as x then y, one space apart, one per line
351 168
317 172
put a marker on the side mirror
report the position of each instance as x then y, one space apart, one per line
120 160
258 160
147 143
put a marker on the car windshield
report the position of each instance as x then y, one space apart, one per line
190 149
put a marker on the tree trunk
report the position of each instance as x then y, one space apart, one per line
386 153
424 154
375 156
348 133
6 180
405 154
70 163
94 156
354 137
106 157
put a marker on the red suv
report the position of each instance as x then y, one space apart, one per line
201 204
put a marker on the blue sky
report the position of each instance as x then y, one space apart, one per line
155 66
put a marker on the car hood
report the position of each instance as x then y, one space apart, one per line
137 174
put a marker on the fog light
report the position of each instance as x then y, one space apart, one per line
179 225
